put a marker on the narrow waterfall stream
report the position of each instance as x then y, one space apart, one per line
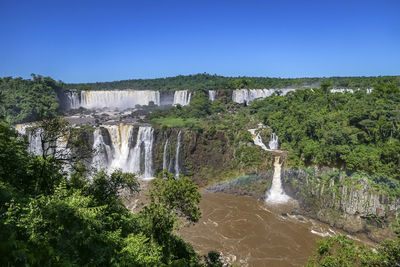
178 145
103 153
276 195
165 158
273 143
211 95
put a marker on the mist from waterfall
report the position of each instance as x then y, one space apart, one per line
178 145
182 97
275 194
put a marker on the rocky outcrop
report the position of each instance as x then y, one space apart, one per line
353 202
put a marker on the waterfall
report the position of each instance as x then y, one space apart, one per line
240 96
248 95
139 159
165 158
120 139
35 141
211 95
73 100
177 154
276 194
182 97
58 148
342 90
34 137
118 99
144 145
257 139
273 142
103 153
120 155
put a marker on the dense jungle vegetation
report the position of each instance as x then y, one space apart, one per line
355 131
47 219
216 82
342 251
27 100
358 131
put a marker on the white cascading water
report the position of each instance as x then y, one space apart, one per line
342 90
34 138
120 156
120 139
165 156
276 195
127 158
257 139
144 141
273 142
248 95
73 100
59 149
35 142
182 97
178 145
118 99
102 152
211 95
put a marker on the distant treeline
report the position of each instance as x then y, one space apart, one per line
215 82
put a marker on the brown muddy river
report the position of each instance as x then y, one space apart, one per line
249 232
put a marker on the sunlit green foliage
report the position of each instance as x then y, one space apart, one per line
28 100
356 131
340 251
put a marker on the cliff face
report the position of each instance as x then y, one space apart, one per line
351 202
206 157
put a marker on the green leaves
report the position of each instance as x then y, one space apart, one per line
179 195
341 251
30 100
354 131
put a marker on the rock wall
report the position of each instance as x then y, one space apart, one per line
207 158
351 202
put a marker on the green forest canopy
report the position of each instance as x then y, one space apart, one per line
216 82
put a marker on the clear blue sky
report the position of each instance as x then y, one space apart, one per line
87 41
